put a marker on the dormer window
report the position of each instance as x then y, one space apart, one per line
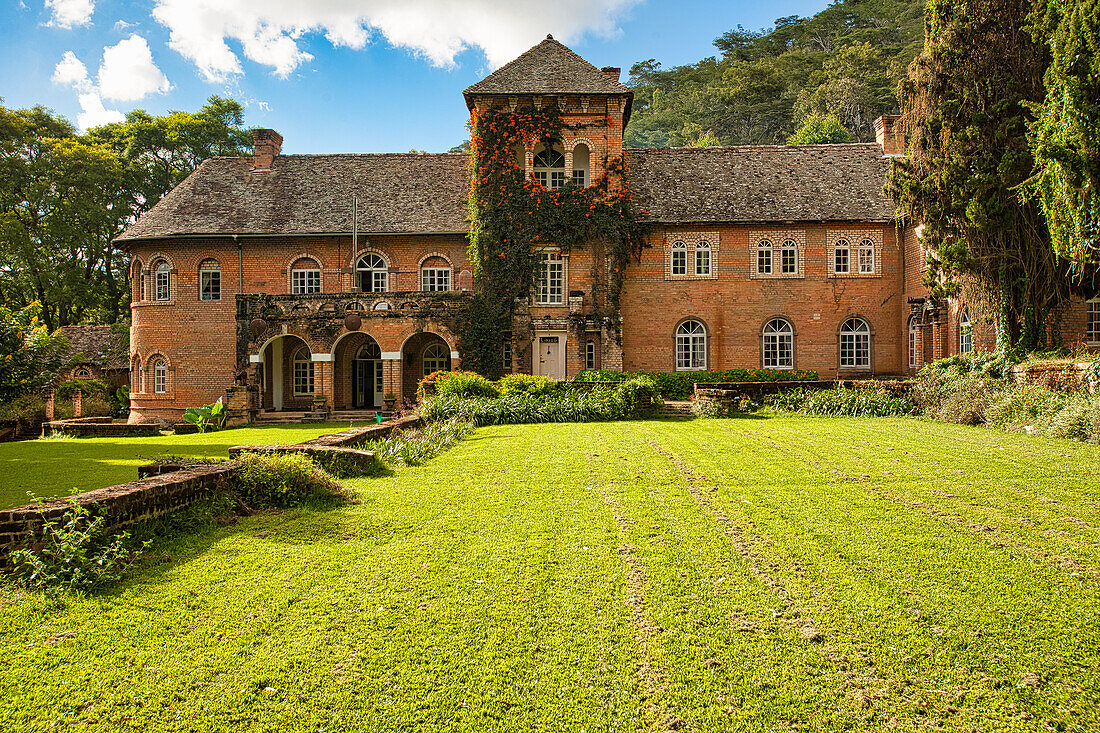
550 167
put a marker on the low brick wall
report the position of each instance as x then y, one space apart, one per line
1066 376
754 390
99 427
122 505
357 436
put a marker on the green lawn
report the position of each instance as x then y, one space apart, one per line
52 468
782 574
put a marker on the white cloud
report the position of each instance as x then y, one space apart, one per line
128 73
121 25
270 31
93 113
70 13
71 71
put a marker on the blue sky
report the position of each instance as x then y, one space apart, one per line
330 75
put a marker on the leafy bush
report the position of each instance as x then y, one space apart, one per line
282 479
87 387
28 410
207 418
76 555
618 402
842 402
120 402
528 384
413 447
95 406
1019 406
681 385
459 384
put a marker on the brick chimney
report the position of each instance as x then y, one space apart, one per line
612 73
889 135
266 145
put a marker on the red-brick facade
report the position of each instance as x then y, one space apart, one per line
338 347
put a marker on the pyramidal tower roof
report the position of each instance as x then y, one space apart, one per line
548 68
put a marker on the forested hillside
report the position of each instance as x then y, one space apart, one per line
846 61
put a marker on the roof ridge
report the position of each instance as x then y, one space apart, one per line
753 146
544 50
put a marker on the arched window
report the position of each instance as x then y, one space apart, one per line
139 281
679 262
369 350
160 376
303 371
354 305
372 273
550 167
912 342
764 257
691 346
436 358
82 373
581 163
778 344
702 258
788 260
305 277
435 275
842 257
210 280
866 257
162 274
966 338
855 344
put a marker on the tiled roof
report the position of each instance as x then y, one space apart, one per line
427 194
312 194
100 345
548 68
761 183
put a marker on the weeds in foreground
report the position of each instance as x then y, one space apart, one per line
842 402
413 447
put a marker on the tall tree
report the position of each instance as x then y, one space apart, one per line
1066 132
965 112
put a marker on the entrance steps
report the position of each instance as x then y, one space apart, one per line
287 417
674 408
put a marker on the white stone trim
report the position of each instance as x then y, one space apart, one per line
777 237
255 358
454 354
691 240
391 356
854 235
321 357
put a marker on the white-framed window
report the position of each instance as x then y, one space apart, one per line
764 257
139 282
702 258
354 305
506 353
210 280
162 275
678 265
912 342
842 257
866 257
966 334
550 284
1092 321
778 344
581 163
788 257
303 371
305 280
435 279
589 354
550 168
160 377
691 346
436 358
372 273
855 344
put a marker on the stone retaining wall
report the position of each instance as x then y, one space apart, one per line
358 436
365 460
122 505
1066 376
99 427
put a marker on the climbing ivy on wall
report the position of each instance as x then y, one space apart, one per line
511 217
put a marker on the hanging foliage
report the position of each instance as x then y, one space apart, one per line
1066 134
964 109
512 218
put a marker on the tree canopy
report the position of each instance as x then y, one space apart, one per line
65 198
845 62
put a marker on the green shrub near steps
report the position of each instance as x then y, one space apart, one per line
528 384
462 384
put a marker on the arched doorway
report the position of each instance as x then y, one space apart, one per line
366 376
422 354
288 374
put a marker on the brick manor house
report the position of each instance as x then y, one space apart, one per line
333 281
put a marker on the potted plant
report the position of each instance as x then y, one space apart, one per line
390 400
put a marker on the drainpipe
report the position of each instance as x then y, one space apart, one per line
240 266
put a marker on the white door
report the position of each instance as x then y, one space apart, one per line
550 355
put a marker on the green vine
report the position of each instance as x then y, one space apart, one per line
511 217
